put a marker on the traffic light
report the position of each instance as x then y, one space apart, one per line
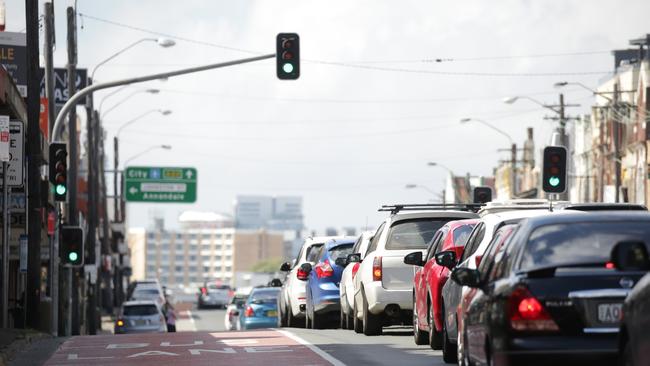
482 194
287 55
554 173
71 244
59 170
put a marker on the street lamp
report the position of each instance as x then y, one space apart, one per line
150 148
152 91
162 42
116 149
433 163
465 120
511 100
434 193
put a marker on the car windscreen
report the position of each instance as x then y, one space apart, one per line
219 287
140 310
149 292
461 234
312 253
340 251
413 234
264 296
576 243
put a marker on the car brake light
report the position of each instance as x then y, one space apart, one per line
355 269
120 323
249 311
609 265
528 314
376 269
204 290
302 274
324 269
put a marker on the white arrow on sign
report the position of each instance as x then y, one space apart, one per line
189 174
133 190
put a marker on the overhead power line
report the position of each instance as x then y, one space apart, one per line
361 65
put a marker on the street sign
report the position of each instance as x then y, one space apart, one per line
13 56
4 138
15 174
160 184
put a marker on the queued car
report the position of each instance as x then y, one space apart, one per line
634 338
323 296
235 307
477 243
214 295
428 281
383 284
554 294
149 291
260 309
291 302
140 316
346 288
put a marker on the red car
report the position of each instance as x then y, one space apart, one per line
428 281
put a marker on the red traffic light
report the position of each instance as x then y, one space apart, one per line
555 158
286 55
287 43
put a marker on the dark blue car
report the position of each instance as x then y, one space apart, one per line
323 298
261 309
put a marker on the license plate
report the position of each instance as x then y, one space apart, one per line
140 322
272 313
610 313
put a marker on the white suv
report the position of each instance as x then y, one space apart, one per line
383 286
291 302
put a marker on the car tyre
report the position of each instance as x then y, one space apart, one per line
307 320
421 338
371 323
282 316
435 337
461 355
316 321
357 325
449 350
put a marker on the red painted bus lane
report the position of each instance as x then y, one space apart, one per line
266 347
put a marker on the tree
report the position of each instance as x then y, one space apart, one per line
270 265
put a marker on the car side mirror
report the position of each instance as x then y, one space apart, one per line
414 259
466 277
446 259
306 267
341 262
354 258
630 256
285 267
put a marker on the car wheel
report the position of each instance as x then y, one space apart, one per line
316 321
461 355
449 351
435 337
349 321
420 337
307 320
371 323
343 324
627 359
357 326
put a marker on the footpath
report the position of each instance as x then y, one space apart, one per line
13 341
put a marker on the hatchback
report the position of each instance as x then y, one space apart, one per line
261 309
144 316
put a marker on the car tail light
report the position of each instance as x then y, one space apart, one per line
376 269
204 290
609 265
120 322
249 311
355 269
324 269
477 260
302 274
528 314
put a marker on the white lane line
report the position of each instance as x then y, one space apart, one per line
326 356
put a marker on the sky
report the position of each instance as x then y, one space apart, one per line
371 107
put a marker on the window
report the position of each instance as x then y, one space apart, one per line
413 234
140 310
473 241
313 253
494 247
179 268
340 251
461 234
435 243
375 239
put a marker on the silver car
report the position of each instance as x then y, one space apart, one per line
140 316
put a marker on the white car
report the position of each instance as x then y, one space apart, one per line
346 287
292 298
383 286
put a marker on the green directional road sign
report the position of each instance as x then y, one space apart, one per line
160 184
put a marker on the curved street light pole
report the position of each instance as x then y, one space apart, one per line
485 123
123 100
162 42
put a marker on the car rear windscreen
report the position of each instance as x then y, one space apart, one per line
219 287
413 234
575 243
140 310
312 253
146 292
341 251
264 296
461 234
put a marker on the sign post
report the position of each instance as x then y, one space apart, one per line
160 184
5 158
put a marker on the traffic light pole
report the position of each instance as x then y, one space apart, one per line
72 101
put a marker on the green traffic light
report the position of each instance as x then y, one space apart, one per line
554 181
60 189
288 68
73 256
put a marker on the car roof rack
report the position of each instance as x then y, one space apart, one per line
395 208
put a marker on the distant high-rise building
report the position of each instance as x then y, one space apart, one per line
274 213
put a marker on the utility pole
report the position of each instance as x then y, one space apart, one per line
53 268
73 215
92 208
35 153
117 215
617 144
563 138
513 163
